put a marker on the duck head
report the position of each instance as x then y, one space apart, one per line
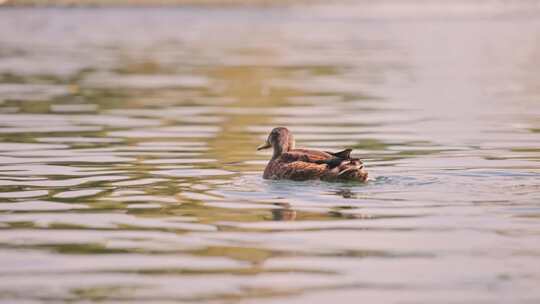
280 139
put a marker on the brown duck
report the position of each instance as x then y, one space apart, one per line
302 164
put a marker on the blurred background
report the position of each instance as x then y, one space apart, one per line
128 170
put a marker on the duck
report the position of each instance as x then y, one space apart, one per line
291 163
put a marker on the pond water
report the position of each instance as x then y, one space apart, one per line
128 169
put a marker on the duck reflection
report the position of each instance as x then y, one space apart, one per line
345 193
284 214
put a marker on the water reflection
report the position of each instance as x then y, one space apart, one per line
128 166
285 213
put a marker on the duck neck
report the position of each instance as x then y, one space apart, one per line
280 149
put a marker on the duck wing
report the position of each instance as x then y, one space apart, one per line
301 164
305 155
300 171
330 159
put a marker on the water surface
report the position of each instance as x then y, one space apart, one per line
128 170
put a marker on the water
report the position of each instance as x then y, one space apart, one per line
128 170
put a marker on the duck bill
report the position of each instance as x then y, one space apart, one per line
266 145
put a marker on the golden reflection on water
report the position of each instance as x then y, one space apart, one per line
128 169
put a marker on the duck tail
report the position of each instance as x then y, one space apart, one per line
337 159
345 154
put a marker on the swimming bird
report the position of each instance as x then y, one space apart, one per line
287 162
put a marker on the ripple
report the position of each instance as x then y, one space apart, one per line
47 129
144 206
143 198
34 92
138 182
69 122
26 147
169 132
24 194
106 80
84 140
110 221
98 159
192 172
74 108
107 263
69 182
39 206
177 161
78 193
45 170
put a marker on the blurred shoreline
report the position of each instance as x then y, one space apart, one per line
109 3
341 9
